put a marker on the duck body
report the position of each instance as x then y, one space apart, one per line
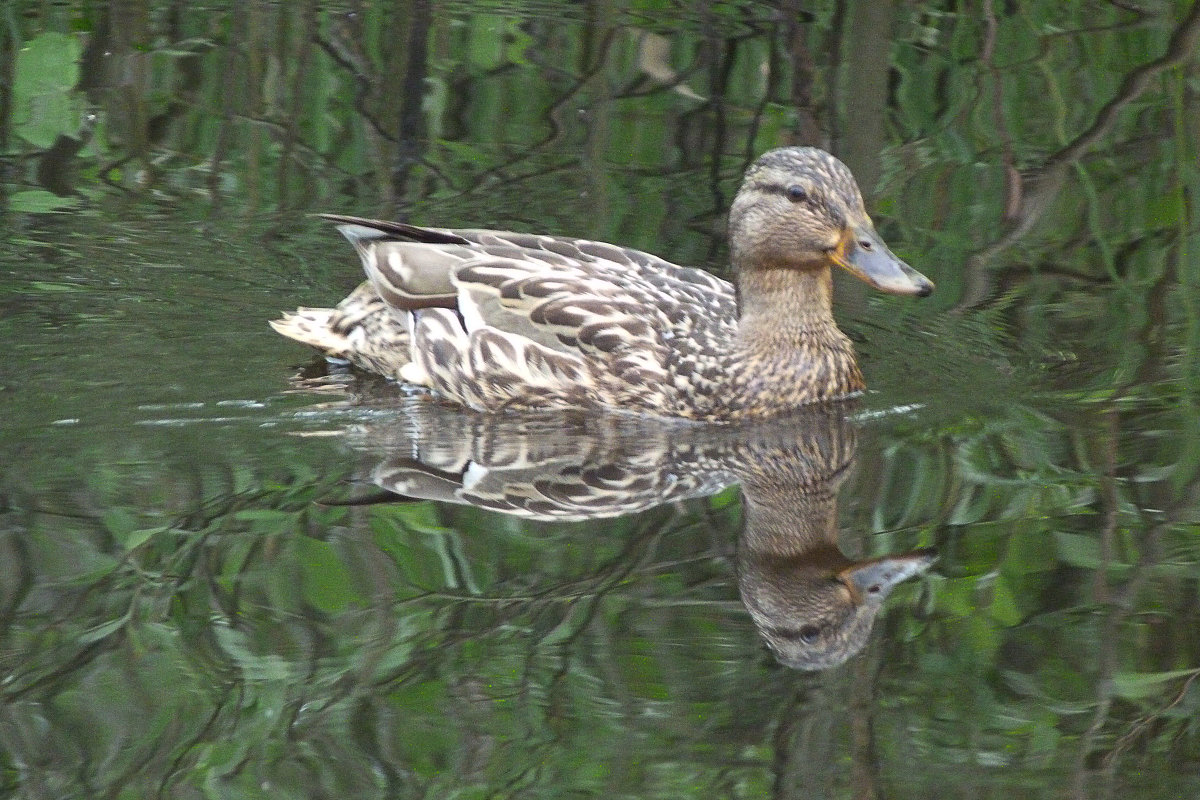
494 320
813 605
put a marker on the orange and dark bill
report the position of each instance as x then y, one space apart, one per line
873 580
863 254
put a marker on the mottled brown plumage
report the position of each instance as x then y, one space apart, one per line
494 320
813 606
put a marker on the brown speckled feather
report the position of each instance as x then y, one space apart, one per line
813 605
362 329
495 320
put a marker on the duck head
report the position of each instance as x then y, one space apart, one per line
815 609
799 208
812 604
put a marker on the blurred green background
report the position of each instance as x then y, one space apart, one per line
182 616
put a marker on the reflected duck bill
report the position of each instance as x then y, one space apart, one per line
873 580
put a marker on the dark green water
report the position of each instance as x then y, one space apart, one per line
187 610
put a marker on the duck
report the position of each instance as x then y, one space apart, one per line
813 605
495 320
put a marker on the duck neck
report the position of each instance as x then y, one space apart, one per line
790 473
792 524
784 307
787 340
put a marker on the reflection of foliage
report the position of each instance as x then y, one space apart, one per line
191 626
1058 594
407 648
44 103
207 632
46 106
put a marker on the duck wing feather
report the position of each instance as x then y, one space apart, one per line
503 319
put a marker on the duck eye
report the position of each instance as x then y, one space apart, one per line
809 633
796 192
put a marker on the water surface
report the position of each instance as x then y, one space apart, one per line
188 608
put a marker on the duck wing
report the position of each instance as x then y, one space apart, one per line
540 466
501 319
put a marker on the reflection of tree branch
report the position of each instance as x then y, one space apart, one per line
774 70
1155 343
207 732
291 125
1106 657
629 561
343 49
719 71
654 61
412 96
230 66
1131 7
1119 604
8 55
722 55
1135 731
20 580
833 83
805 759
865 776
1012 178
1039 186
808 130
1182 46
594 68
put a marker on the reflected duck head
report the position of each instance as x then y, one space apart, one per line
815 610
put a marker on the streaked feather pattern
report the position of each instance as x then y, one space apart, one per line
534 466
812 604
495 320
538 322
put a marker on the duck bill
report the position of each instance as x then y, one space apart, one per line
863 254
872 581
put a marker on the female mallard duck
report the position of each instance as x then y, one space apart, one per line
813 605
495 320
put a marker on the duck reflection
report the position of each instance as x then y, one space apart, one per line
813 605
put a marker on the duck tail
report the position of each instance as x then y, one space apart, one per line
311 326
362 330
